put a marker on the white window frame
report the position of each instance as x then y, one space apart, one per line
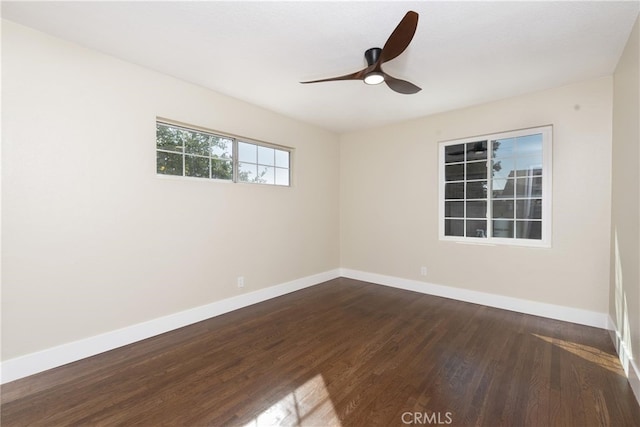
235 140
547 169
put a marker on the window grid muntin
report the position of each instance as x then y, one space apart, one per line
184 154
466 199
534 173
274 167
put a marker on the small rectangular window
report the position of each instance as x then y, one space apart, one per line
197 153
497 188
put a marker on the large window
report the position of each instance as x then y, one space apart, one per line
497 188
185 151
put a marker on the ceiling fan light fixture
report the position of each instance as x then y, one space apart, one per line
374 78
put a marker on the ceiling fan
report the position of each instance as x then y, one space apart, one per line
395 45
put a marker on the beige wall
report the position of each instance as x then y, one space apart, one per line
625 272
389 200
93 241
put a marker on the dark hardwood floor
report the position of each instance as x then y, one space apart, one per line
342 353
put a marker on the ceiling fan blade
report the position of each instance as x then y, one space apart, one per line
400 38
401 86
353 76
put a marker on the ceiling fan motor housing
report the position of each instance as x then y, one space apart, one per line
372 55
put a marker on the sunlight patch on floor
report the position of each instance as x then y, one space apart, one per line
308 405
591 354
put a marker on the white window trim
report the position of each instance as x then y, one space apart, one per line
234 157
547 187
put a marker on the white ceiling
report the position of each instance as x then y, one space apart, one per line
463 53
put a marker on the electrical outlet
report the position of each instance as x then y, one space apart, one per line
240 281
423 271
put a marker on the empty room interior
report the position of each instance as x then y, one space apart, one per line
320 213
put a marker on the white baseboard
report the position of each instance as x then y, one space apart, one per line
628 364
552 311
33 363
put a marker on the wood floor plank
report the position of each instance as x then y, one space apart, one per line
344 353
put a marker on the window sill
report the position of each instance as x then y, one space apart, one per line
495 242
